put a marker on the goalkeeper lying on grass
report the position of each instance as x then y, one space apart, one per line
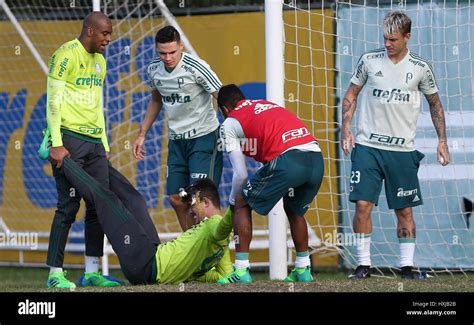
200 253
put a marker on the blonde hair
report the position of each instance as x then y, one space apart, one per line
396 21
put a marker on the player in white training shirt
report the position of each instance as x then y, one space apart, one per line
383 148
183 85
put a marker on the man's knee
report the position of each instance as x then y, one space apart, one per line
405 215
68 212
363 210
135 202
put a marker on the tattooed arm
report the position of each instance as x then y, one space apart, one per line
348 108
437 116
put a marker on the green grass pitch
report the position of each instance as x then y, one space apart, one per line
17 279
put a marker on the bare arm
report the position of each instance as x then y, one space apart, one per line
439 122
349 105
152 111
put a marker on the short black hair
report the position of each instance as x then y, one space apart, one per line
206 188
167 34
229 96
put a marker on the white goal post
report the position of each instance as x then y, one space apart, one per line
275 77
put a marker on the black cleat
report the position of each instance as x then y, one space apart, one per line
361 272
467 210
407 273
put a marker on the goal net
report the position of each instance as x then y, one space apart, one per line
323 42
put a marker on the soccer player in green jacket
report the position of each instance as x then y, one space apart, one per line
200 253
75 118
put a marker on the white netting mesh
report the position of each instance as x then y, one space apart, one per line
323 43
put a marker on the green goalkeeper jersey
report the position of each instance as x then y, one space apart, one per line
74 94
200 253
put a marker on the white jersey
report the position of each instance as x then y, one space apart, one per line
391 102
186 95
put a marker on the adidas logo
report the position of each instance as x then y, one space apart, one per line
379 74
82 66
416 198
158 83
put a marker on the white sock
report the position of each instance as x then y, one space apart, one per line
302 260
363 249
241 264
407 251
55 269
92 264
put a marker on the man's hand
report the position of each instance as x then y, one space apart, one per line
57 155
138 151
347 140
443 152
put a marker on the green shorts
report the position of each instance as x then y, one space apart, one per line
294 176
370 166
193 159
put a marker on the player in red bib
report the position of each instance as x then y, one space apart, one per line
293 170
